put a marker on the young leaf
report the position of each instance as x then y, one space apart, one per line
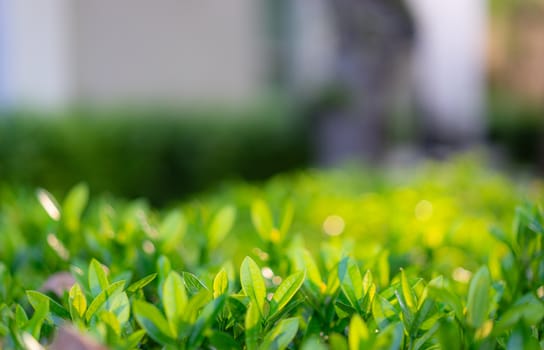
312 271
73 206
111 321
151 319
133 340
20 316
119 305
253 326
221 225
253 283
384 313
287 219
172 231
98 281
141 283
204 320
286 290
407 292
337 342
421 315
223 341
478 298
196 302
40 303
358 333
446 296
101 298
193 283
281 335
351 281
262 219
35 298
174 298
78 302
220 283
313 343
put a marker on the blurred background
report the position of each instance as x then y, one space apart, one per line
165 98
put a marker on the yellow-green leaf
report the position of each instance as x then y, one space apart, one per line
253 283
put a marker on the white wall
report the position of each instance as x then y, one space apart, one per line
168 50
449 63
35 53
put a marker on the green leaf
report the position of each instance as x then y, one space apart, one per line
193 283
262 219
220 283
286 290
529 308
337 342
421 315
221 225
163 268
223 341
20 316
101 298
383 268
384 313
73 206
390 338
478 298
196 302
154 323
171 231
407 292
313 343
351 281
78 302
111 320
98 281
119 304
35 298
287 219
420 342
446 296
358 333
40 303
134 339
522 338
141 283
204 320
174 298
253 326
312 271
253 283
281 335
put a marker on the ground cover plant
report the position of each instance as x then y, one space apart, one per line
445 257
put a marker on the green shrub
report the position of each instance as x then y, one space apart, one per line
349 259
157 154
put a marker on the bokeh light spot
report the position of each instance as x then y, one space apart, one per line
333 225
424 210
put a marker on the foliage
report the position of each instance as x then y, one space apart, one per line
173 152
340 260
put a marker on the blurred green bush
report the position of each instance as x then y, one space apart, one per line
345 259
160 154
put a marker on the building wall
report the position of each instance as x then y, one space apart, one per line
35 58
168 50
